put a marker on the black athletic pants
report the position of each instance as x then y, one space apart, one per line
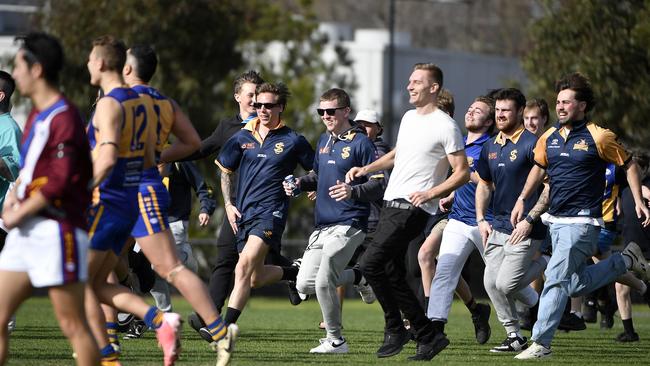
383 265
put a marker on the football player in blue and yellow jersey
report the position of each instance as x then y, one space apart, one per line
152 228
263 153
118 133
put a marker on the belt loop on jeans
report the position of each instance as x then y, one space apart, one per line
399 204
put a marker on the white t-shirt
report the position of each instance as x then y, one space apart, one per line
423 143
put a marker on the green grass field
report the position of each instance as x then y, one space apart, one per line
275 333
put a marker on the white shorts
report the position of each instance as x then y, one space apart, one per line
52 253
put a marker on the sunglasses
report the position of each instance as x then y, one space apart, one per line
265 105
330 111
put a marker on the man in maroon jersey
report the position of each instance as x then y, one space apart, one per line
48 240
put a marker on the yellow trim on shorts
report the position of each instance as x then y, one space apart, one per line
93 227
156 207
143 214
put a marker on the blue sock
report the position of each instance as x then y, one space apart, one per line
111 330
107 351
217 329
153 318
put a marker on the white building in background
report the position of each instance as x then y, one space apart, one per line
466 75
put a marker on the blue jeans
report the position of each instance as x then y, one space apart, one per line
567 274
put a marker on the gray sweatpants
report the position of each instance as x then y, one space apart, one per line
509 269
323 269
160 289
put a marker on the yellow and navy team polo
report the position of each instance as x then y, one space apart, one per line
336 156
262 166
575 162
464 207
507 162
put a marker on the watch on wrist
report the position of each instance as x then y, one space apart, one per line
529 219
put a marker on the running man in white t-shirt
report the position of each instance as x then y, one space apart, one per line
428 143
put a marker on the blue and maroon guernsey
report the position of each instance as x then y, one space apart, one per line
63 169
575 163
334 158
262 166
119 190
507 162
464 207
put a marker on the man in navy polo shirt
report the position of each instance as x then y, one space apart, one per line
503 167
574 154
341 222
263 152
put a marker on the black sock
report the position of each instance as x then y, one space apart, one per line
289 273
471 304
232 315
357 275
426 303
438 326
628 326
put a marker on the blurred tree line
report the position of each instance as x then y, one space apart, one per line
609 41
202 46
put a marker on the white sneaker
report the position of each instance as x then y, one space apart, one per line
11 326
533 352
639 264
328 345
226 345
366 292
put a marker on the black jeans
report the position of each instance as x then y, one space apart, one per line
383 265
222 278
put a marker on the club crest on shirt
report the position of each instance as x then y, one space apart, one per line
324 150
268 234
470 161
513 155
581 145
492 155
248 146
279 148
345 152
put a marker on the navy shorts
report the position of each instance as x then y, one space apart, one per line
269 230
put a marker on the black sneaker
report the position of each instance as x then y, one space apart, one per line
481 320
393 343
590 311
294 296
572 322
195 321
627 337
205 334
607 316
124 322
646 295
513 343
136 329
429 349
